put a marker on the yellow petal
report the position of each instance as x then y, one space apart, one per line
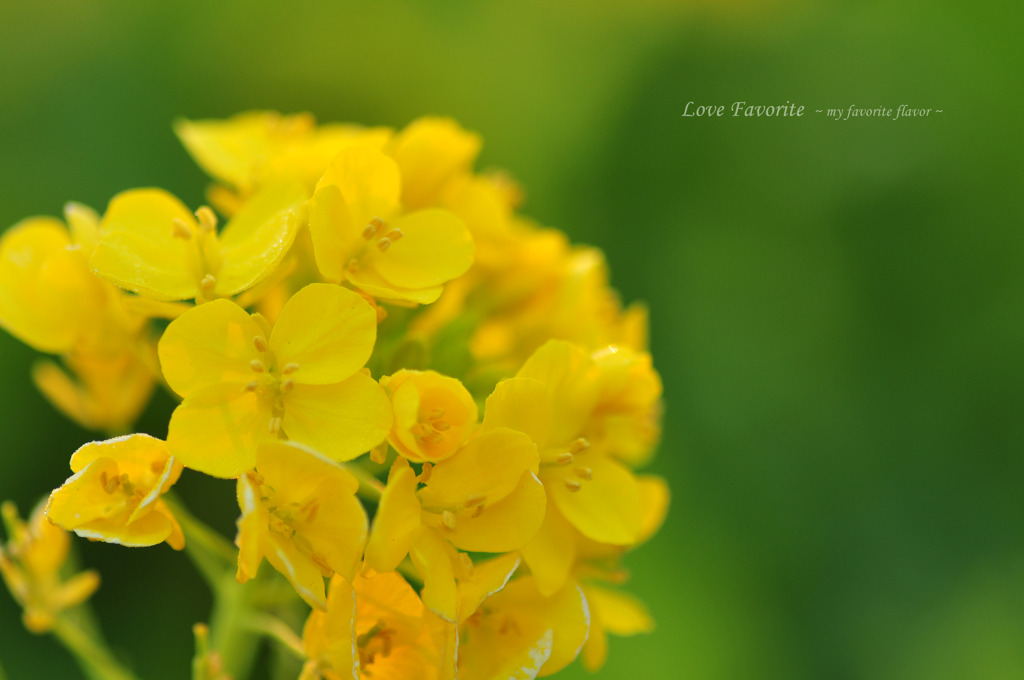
492 653
335 237
229 149
304 576
369 184
521 404
341 421
330 636
208 345
655 494
138 250
327 331
369 281
150 529
430 556
430 152
490 465
507 525
572 379
255 241
389 598
620 613
595 650
607 508
216 430
435 247
551 553
297 471
249 540
488 577
397 519
84 225
45 288
83 498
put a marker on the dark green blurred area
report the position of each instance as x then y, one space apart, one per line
837 306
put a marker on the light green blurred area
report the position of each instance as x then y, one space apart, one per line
836 306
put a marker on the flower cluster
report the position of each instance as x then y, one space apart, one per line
433 408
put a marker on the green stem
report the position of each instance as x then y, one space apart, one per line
95 660
275 628
229 634
212 554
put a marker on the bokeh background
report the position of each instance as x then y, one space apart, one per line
837 306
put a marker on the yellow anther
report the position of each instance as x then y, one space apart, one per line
251 386
208 283
564 458
441 426
179 229
436 413
425 474
353 265
257 366
448 519
394 235
479 511
584 473
467 564
572 485
474 501
207 220
289 368
579 446
287 386
379 454
274 426
259 343
372 228
384 244
110 484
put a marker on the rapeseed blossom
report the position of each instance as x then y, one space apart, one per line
433 409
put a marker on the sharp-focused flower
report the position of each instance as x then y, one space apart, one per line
151 244
485 498
374 627
114 495
244 383
31 564
299 511
361 235
434 414
518 633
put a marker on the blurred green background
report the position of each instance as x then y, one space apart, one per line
837 306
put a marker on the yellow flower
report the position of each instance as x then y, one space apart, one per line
434 414
30 565
48 297
374 627
432 154
361 235
299 511
244 383
261 148
517 633
485 498
114 495
614 612
152 245
626 418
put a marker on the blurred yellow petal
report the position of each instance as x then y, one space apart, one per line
655 494
595 650
368 181
217 429
228 149
326 331
341 421
207 345
329 637
255 241
430 152
84 225
298 470
46 291
551 553
397 519
435 247
620 613
507 525
521 404
606 508
138 250
489 466
430 556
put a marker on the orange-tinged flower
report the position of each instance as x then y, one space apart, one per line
244 383
151 244
434 414
299 511
374 627
114 495
361 235
31 564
